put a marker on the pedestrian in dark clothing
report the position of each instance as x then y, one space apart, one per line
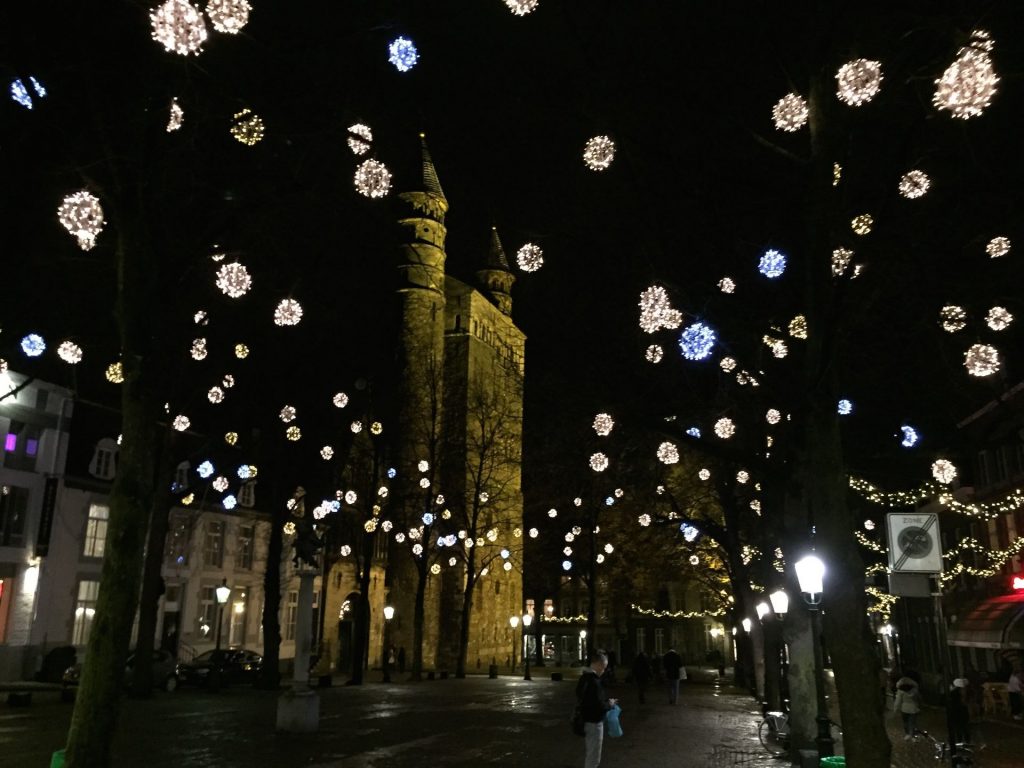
641 672
655 667
958 716
672 662
401 660
594 704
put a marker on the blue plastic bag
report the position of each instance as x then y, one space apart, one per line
611 721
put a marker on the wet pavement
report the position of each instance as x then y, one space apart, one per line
446 723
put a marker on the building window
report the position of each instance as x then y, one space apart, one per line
85 611
181 477
247 495
659 640
178 535
603 607
291 610
13 511
236 631
245 542
104 459
213 545
21 446
96 530
641 639
207 614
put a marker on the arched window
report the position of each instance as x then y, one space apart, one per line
247 494
104 459
181 477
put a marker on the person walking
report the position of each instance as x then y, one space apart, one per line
594 704
958 713
1015 688
672 662
908 704
641 672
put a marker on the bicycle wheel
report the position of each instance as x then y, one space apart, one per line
772 737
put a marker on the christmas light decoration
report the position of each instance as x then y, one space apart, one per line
205 469
841 260
114 373
423 465
181 423
704 474
178 26
599 153
858 81
790 113
402 54
694 560
693 432
376 428
944 471
340 400
914 184
293 434
81 214
288 312
644 520
773 416
981 360
215 395
910 436
967 86
743 378
837 174
241 351
372 179
862 224
33 345
69 352
228 16
798 327
668 453
350 497
727 364
356 427
231 438
228 381
725 428
552 513
743 476
530 258
21 95
287 414
201 318
176 116
726 285
998 319
656 312
998 246
521 7
777 346
844 408
198 350
598 462
247 127
603 424
233 279
690 532
246 472
772 264
359 138
697 341
953 318
654 353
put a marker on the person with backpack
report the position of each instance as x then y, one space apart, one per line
593 703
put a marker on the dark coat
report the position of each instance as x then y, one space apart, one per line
592 697
672 662
641 670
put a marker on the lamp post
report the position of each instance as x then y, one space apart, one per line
223 593
583 646
513 622
527 621
810 573
389 614
780 605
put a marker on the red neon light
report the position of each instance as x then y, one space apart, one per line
1018 582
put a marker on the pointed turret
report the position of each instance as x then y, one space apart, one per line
430 180
496 277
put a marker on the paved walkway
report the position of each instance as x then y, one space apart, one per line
506 722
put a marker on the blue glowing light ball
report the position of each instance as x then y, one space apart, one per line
845 407
910 436
205 469
229 502
696 341
609 500
693 432
402 54
566 565
689 532
392 472
428 519
33 345
772 264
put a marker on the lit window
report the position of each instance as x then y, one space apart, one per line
96 530
85 611
246 534
104 459
13 511
213 545
291 610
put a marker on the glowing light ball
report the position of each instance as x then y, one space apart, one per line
350 497
755 505
953 318
82 215
423 465
798 327
359 138
981 360
215 395
198 350
345 550
726 285
654 353
175 116
845 407
204 470
201 318
694 560
967 86
998 318
241 351
608 549
998 246
790 113
693 432
704 474
534 533
522 7
772 264
869 525
656 311
246 472
727 364
644 520
340 400
743 476
599 153
293 434
598 462
69 352
603 424
697 341
178 26
233 280
376 428
552 513
944 471
372 179
861 225
774 416
668 453
287 414
33 345
231 438
247 127
914 184
725 428
288 312
858 81
181 423
530 258
228 381
909 437
402 54
690 532
228 16
356 427
841 260
114 373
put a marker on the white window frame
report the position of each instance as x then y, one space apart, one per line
85 611
96 531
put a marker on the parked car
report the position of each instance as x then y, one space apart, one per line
221 667
164 674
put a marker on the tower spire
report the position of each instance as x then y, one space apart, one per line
496 277
430 181
496 258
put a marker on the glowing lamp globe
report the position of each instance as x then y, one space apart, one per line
223 592
527 620
763 609
810 573
780 602
747 624
513 621
389 612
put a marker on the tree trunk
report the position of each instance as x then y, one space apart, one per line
270 673
467 609
418 615
360 643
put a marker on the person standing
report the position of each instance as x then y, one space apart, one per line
1015 687
594 704
401 660
958 716
672 662
641 672
908 704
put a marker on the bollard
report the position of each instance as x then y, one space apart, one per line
57 761
492 671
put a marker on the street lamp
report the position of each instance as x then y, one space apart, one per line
527 621
810 573
513 622
762 609
747 624
583 645
780 602
223 593
389 614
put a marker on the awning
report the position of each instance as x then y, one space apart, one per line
993 623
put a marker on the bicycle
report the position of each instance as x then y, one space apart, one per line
773 732
963 757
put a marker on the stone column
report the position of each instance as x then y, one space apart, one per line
298 710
